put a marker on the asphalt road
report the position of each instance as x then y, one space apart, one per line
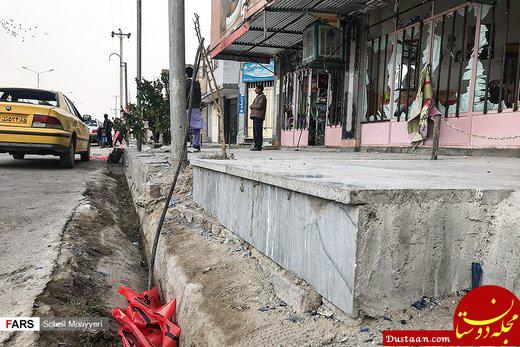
37 197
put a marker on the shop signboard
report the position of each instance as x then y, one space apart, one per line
255 72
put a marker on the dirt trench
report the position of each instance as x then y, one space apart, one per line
100 250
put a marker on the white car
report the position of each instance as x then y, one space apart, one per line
93 126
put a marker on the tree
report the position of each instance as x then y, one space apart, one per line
133 122
153 101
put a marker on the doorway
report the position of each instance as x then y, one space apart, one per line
230 124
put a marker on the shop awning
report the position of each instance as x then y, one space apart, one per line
279 26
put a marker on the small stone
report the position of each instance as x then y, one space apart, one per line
188 215
206 270
295 318
325 312
328 339
215 228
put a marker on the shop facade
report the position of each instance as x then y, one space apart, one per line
347 74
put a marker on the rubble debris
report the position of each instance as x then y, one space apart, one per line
295 318
325 312
264 308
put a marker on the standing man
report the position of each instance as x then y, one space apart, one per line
107 125
196 123
258 116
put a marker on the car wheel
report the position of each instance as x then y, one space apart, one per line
18 156
85 156
67 159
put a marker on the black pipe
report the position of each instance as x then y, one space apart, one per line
177 170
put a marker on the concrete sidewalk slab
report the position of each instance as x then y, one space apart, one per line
370 231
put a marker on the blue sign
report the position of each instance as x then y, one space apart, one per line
241 104
254 72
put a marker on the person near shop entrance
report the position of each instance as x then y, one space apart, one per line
196 122
258 109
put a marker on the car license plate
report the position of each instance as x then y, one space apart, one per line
14 119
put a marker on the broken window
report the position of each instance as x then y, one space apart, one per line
498 65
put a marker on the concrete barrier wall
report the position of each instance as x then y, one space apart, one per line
312 237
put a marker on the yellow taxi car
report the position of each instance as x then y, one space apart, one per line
34 121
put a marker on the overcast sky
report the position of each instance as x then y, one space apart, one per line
73 38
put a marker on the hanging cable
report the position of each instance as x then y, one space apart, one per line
182 154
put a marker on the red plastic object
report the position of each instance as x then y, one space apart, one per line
145 321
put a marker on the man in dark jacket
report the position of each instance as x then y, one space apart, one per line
107 125
257 114
196 123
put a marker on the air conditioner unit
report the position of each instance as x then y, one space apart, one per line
321 42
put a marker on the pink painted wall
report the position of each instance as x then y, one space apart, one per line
504 124
395 134
287 139
290 138
333 136
376 134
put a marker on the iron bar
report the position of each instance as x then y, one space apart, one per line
400 78
378 72
441 58
384 75
409 72
490 56
371 69
500 95
447 105
462 60
418 60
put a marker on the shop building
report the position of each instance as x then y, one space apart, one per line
347 72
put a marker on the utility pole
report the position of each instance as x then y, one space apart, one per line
177 77
125 66
121 35
115 107
139 58
139 37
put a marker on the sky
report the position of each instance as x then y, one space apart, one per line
73 38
